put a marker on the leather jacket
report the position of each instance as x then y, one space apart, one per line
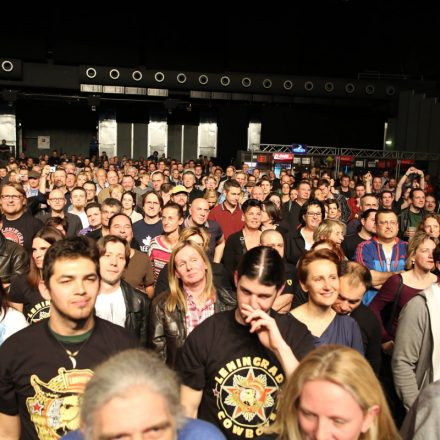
404 221
168 329
13 259
137 305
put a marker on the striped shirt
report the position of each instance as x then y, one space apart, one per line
159 254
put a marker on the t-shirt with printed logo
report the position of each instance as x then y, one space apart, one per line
239 377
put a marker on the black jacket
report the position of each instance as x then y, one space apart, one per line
296 246
404 221
137 305
13 259
168 330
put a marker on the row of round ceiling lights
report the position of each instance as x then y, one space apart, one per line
246 82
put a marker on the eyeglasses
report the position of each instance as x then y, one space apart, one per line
11 196
314 214
387 223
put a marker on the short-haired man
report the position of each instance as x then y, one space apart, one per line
189 182
118 301
354 201
354 280
384 254
198 216
45 367
18 225
79 200
228 214
57 202
127 182
291 208
410 218
151 226
139 271
112 179
344 188
93 212
275 240
234 362
148 396
430 203
256 193
366 232
327 189
109 208
90 188
367 201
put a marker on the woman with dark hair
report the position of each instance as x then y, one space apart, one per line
28 294
318 273
276 199
270 215
11 320
128 204
249 237
285 193
311 215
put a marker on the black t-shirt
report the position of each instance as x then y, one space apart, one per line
35 307
22 230
144 233
350 244
39 382
239 377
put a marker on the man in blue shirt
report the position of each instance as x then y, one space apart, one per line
384 254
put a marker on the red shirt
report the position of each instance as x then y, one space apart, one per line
352 203
229 221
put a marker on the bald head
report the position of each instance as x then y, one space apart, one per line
199 211
273 239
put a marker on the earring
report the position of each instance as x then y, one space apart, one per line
413 263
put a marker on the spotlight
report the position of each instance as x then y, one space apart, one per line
329 87
225 81
137 75
91 72
287 85
390 90
114 74
159 77
7 66
203 79
350 88
370 89
181 78
308 86
267 83
246 82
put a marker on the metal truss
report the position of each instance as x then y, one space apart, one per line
355 152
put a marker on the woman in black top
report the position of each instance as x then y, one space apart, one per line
27 293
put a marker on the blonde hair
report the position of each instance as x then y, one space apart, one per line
342 366
325 229
190 231
415 241
177 297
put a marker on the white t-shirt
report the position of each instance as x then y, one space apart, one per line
111 306
388 254
11 323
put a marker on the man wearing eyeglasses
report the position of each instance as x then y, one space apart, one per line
384 254
57 201
18 225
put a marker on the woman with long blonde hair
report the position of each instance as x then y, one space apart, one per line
334 393
190 299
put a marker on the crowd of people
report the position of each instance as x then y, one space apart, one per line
302 306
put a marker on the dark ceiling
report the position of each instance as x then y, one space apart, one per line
321 38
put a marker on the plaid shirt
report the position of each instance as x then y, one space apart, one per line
194 316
